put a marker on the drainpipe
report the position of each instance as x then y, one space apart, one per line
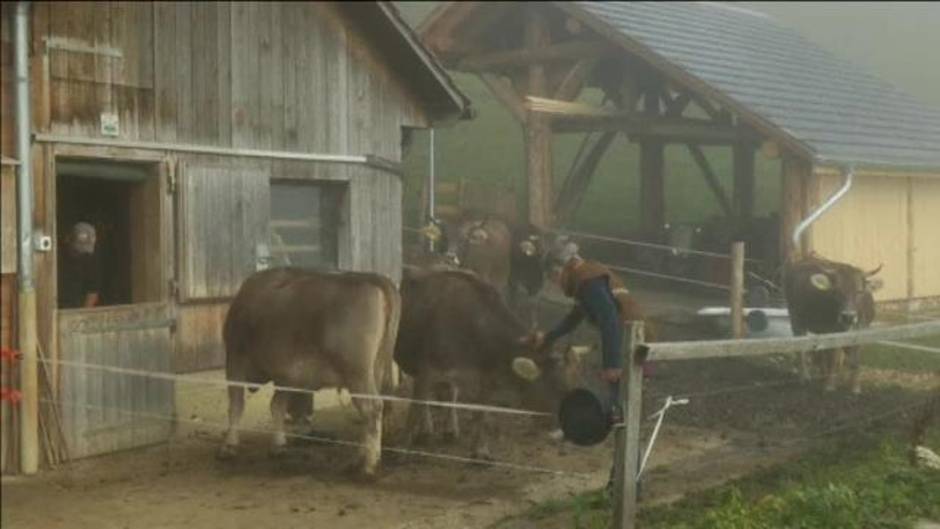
814 216
29 386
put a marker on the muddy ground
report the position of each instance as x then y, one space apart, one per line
742 415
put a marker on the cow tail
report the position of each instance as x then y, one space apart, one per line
386 370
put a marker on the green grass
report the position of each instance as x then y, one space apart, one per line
865 482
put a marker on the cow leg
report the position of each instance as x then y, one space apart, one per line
371 411
832 359
420 423
452 431
236 407
279 404
300 408
853 355
481 446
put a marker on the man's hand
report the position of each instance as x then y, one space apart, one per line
611 375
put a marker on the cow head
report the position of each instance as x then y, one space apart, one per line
548 375
849 289
682 237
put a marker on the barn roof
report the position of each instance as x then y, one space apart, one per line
840 112
418 66
825 107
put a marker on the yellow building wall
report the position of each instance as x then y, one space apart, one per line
925 201
867 227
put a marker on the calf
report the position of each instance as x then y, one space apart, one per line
305 329
827 296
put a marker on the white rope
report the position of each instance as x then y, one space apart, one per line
664 276
404 451
661 414
663 247
912 346
162 375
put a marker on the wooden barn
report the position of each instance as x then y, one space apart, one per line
692 75
203 141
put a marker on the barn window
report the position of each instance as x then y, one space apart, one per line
304 227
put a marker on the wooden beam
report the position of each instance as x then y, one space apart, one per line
525 57
573 82
538 131
576 184
711 179
506 95
668 130
743 194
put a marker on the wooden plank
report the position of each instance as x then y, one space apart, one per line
652 177
669 351
711 179
204 74
186 115
165 71
528 56
223 73
245 71
8 220
911 239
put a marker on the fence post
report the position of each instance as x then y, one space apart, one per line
627 438
737 289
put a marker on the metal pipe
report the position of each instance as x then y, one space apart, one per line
29 368
814 216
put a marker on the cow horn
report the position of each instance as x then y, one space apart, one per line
820 281
526 368
875 271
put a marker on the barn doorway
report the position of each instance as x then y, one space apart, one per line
121 203
129 323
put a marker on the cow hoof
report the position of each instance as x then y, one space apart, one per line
449 438
358 472
226 453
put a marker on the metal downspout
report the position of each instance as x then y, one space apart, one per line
814 216
29 386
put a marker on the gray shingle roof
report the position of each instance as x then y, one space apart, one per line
838 111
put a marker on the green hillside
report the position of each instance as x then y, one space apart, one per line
888 39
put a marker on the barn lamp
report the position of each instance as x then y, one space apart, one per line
814 216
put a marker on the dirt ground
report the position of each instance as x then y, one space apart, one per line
743 415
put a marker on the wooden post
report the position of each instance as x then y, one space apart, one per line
627 438
538 133
737 289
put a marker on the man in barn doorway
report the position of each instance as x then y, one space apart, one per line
80 269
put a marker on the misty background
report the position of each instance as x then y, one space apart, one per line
897 41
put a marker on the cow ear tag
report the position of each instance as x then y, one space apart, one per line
820 281
526 369
432 232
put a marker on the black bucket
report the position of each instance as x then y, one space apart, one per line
584 417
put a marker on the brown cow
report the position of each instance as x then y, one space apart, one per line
305 329
827 296
456 328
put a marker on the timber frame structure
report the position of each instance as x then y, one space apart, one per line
697 74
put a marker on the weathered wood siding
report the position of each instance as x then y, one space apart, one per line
871 225
925 203
286 76
8 221
103 411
